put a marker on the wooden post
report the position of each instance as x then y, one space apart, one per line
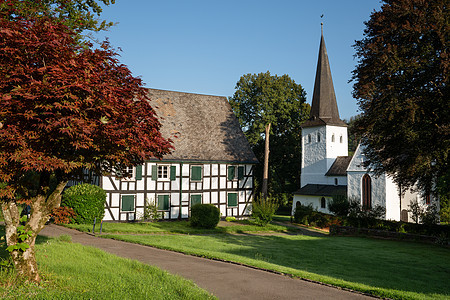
266 162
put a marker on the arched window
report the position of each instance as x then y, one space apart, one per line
332 138
367 192
341 139
323 203
318 137
427 199
309 138
335 181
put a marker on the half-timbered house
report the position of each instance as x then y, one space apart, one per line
212 163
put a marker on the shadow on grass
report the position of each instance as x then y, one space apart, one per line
401 266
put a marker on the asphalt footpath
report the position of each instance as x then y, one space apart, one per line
223 279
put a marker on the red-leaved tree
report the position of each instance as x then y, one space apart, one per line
63 109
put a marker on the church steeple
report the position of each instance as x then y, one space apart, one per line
324 110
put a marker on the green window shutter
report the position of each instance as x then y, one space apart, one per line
127 203
154 172
231 172
173 173
232 199
196 199
196 173
241 172
139 172
163 202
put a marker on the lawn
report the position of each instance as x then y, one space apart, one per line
180 227
401 270
73 271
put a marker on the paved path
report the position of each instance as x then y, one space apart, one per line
224 280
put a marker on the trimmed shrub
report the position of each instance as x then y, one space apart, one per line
263 210
204 216
88 202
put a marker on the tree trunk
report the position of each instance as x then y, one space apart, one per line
266 163
41 207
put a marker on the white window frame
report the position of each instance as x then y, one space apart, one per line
159 175
133 173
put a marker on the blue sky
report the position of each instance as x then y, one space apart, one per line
204 47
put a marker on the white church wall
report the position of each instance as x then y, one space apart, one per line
314 201
314 165
337 143
392 200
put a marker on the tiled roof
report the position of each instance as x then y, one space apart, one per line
202 127
339 167
322 190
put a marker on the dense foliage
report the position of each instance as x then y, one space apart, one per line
402 85
63 215
78 15
263 210
88 202
204 216
64 108
262 99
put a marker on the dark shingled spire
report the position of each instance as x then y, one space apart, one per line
324 110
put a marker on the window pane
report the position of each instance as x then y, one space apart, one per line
127 203
196 199
196 173
231 172
232 199
163 202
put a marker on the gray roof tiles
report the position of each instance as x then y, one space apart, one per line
322 190
203 128
339 167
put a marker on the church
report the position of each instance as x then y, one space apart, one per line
327 169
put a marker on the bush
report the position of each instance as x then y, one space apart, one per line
63 215
204 216
431 215
230 219
302 213
150 212
263 210
88 202
339 205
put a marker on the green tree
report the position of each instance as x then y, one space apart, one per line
402 86
78 15
272 105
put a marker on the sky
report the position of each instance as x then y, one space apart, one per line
205 46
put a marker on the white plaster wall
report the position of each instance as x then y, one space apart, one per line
314 165
318 156
336 148
392 200
313 200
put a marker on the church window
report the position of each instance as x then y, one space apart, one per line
427 199
341 139
323 203
367 192
335 181
332 138
318 137
309 138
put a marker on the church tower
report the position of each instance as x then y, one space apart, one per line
324 135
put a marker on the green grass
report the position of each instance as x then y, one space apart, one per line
180 227
73 271
391 269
